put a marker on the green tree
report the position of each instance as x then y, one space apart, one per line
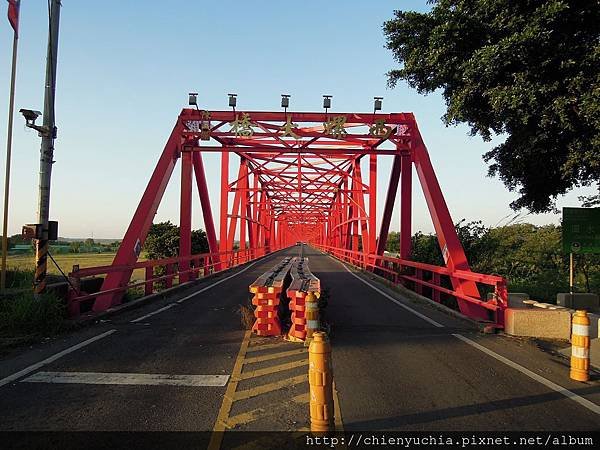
527 69
425 249
393 242
17 239
163 241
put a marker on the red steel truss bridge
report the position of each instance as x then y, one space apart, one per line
301 176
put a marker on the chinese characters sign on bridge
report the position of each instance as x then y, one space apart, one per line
581 230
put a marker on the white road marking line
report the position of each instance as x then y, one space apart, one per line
139 319
555 387
561 390
145 379
53 358
216 283
389 297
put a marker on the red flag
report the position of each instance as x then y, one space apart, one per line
13 14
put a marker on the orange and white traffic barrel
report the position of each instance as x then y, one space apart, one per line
320 380
311 308
580 347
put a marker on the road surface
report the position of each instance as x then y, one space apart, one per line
399 364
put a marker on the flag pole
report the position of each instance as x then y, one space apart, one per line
11 108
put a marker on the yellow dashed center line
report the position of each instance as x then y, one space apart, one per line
337 411
273 369
251 344
255 359
258 413
257 347
219 428
249 393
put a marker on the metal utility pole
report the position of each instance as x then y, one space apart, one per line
48 134
11 108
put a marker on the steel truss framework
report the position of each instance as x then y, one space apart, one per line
299 179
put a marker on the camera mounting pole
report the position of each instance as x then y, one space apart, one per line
48 134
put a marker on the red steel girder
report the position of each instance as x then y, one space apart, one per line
299 178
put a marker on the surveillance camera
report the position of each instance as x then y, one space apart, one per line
30 115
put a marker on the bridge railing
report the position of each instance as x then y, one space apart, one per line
432 281
155 279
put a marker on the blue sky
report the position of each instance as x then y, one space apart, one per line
124 71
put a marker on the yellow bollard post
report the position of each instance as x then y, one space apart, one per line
320 379
312 314
580 347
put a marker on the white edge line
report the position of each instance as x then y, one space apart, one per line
53 358
389 297
216 283
164 308
555 387
561 390
130 379
181 300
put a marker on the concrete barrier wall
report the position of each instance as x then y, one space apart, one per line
541 323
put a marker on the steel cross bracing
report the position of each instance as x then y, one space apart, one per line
299 178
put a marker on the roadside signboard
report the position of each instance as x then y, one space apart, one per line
581 230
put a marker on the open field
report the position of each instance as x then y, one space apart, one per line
67 260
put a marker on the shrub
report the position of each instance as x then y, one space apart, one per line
23 314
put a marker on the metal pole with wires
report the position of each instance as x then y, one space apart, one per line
13 16
48 134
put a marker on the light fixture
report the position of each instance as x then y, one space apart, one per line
193 99
285 101
377 104
327 102
232 100
31 116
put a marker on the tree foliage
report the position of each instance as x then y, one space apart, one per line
163 241
530 257
526 68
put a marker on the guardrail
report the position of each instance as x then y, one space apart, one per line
201 265
421 277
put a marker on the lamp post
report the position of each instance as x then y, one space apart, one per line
377 103
285 102
327 102
48 133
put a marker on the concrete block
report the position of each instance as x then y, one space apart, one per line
594 325
578 300
537 322
515 299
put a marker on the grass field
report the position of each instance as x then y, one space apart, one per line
66 262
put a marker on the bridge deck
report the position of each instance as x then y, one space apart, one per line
398 365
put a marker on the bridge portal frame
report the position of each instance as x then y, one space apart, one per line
299 179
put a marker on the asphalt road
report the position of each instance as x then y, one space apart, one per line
199 336
394 369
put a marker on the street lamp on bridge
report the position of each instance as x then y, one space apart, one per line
377 104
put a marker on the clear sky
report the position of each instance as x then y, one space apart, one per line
124 71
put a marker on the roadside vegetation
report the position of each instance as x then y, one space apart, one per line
529 256
25 319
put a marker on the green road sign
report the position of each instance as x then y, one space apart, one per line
581 230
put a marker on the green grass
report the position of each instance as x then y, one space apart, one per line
24 319
66 262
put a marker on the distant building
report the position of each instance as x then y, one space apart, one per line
21 249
